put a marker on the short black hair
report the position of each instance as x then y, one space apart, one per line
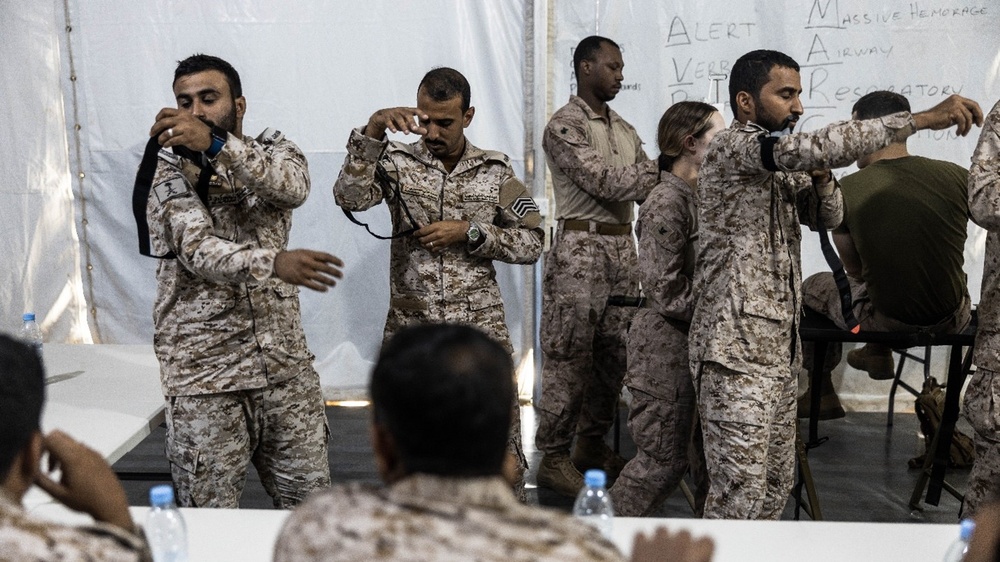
22 393
200 63
587 48
750 72
445 393
879 104
444 83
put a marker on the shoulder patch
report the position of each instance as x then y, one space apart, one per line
522 206
497 156
169 156
170 189
270 136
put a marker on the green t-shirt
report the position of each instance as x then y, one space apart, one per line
907 217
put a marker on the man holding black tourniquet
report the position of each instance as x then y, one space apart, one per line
752 196
234 365
455 209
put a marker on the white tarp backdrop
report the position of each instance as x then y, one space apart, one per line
82 81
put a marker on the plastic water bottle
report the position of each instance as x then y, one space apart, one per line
593 504
165 527
30 332
956 552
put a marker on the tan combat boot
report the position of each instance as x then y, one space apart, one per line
829 402
556 473
875 359
593 452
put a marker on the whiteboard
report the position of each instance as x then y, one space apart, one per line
925 50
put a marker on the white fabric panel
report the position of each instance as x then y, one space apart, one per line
38 243
924 50
314 71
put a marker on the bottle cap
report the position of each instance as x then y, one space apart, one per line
595 478
28 317
965 529
161 495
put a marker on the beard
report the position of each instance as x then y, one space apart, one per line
773 122
227 123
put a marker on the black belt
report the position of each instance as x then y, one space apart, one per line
597 227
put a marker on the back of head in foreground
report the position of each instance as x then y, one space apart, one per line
22 393
441 399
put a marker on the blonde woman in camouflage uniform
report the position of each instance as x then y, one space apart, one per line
467 207
982 397
663 412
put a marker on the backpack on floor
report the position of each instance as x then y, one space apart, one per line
930 409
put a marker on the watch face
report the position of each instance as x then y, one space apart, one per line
473 232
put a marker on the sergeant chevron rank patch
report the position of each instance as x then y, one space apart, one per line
522 206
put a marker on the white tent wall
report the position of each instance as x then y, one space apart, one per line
315 70
39 249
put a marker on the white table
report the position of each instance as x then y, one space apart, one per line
221 535
819 541
106 396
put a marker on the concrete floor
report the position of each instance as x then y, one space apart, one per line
860 472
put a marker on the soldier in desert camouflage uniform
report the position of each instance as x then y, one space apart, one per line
663 412
744 344
234 366
598 170
466 205
982 397
87 483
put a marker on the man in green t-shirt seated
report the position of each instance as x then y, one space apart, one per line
902 242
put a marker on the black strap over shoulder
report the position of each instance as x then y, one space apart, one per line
840 277
388 183
767 143
144 184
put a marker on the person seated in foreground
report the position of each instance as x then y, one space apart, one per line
440 418
86 484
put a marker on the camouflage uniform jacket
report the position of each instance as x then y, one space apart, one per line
984 205
460 280
667 229
24 538
424 517
598 165
748 274
223 322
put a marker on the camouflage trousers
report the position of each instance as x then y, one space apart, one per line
748 423
663 418
583 338
281 429
982 409
820 293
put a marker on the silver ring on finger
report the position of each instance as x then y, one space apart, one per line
430 244
170 132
